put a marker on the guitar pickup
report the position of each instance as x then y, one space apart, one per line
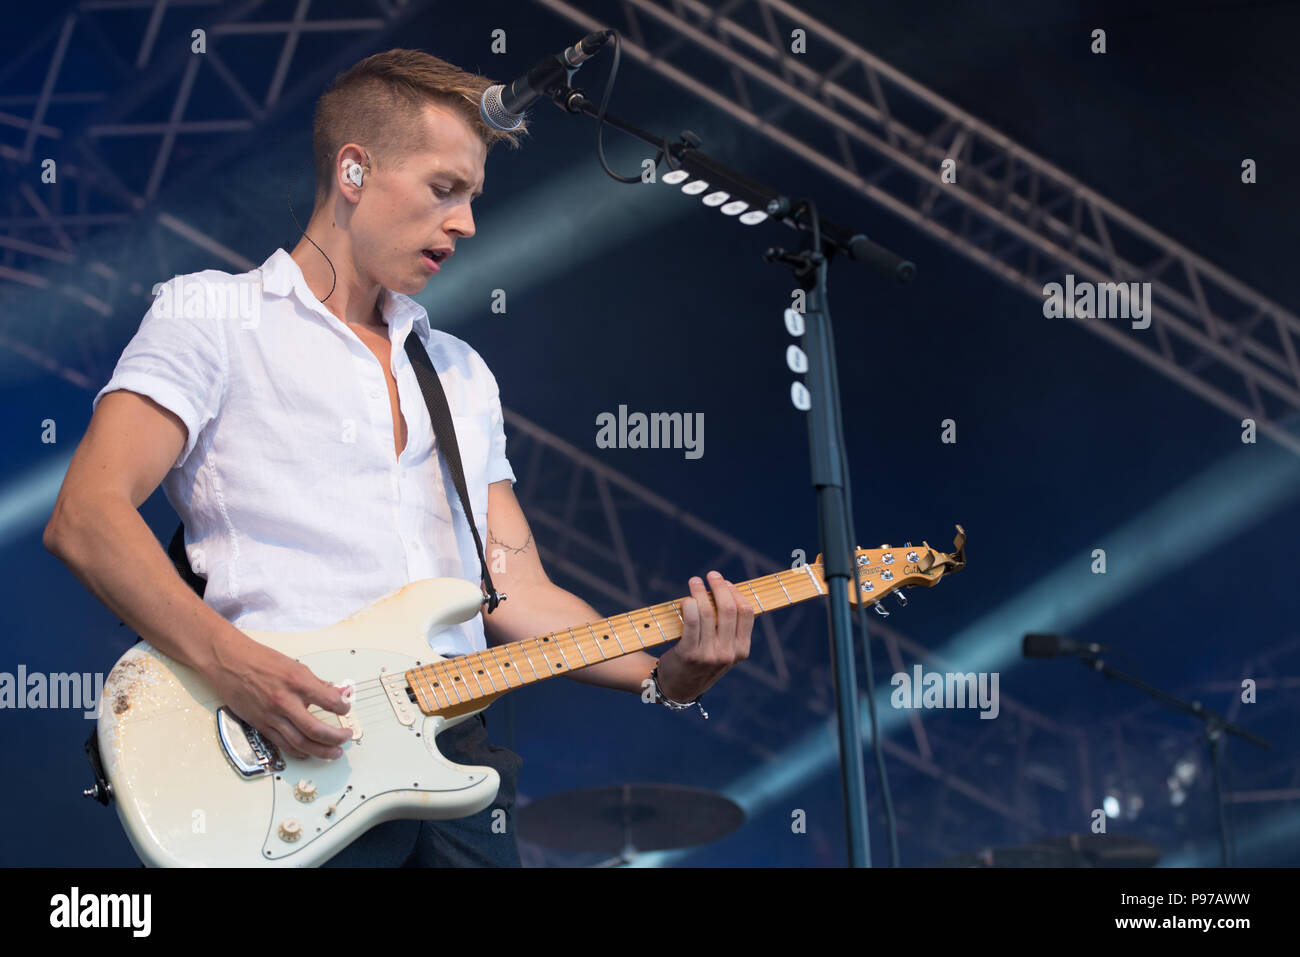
349 721
395 687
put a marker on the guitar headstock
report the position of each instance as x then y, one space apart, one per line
889 568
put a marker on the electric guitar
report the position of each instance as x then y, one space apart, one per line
194 785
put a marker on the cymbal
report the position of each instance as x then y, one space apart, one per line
1070 850
640 817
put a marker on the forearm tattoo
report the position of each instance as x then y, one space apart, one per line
493 540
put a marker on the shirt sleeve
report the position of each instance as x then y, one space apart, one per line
177 359
498 466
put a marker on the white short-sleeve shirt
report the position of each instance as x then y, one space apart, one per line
296 507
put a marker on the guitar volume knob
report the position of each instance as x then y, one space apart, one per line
305 791
290 830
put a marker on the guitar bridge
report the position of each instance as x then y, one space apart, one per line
245 748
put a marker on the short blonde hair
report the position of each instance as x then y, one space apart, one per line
378 101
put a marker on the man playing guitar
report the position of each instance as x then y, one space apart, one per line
271 440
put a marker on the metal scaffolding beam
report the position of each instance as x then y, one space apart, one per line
143 129
886 136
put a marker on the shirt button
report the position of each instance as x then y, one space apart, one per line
374 393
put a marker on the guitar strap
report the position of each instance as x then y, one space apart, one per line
444 432
176 552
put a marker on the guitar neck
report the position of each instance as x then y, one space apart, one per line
487 674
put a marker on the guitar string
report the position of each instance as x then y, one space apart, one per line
374 692
454 694
448 670
452 668
371 691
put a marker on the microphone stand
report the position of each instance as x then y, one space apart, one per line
1215 726
829 459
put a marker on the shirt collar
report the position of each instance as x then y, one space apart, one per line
281 276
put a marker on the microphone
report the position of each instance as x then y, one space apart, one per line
502 107
1052 646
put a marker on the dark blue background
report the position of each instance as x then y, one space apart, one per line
1061 437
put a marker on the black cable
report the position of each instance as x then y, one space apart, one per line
600 119
333 275
1227 814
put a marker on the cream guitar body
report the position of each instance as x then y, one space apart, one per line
194 787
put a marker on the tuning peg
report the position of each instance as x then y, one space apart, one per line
880 610
902 599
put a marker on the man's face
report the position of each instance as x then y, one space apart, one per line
421 205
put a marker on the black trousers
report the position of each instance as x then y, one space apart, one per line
476 841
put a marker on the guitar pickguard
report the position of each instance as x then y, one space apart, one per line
388 761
